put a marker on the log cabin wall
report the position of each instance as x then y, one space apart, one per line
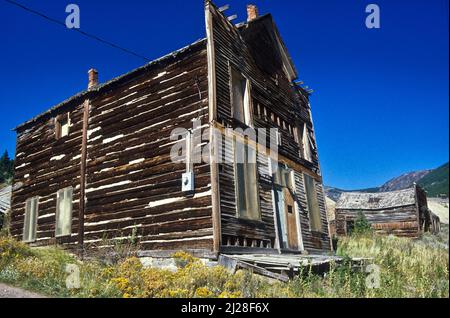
132 183
44 165
132 186
277 103
399 221
403 213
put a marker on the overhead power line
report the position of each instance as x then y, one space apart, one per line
91 36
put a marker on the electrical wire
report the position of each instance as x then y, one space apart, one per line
91 36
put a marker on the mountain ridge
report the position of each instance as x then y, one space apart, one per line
434 181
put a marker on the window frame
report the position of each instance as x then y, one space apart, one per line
301 136
27 216
237 186
247 114
57 213
60 122
312 220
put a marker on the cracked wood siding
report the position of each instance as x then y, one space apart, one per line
400 221
285 100
132 182
44 165
400 213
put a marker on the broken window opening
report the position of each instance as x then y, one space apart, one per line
62 126
301 136
241 98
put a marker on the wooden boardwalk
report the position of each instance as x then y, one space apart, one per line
284 267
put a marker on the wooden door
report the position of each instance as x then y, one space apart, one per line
281 217
286 218
291 219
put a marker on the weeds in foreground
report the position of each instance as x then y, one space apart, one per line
408 269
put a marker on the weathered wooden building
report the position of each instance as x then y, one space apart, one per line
402 213
99 165
5 204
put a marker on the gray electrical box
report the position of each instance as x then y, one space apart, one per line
188 182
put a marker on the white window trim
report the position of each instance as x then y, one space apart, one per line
35 221
59 126
57 213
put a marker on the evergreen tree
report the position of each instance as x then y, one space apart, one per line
6 167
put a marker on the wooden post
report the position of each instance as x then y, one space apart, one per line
215 193
83 178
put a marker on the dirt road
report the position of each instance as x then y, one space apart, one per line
13 292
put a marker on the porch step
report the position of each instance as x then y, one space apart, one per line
284 267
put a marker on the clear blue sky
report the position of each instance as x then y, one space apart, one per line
381 101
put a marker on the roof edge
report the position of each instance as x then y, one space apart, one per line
97 89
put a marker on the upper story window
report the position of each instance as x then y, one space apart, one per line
62 126
302 137
241 98
30 223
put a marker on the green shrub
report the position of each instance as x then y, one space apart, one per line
362 226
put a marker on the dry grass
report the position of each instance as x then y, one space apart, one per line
408 269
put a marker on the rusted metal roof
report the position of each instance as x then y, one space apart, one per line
376 201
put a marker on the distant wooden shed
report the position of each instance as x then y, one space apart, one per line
5 199
402 213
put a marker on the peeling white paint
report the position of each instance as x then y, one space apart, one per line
108 186
164 202
172 200
91 131
136 161
160 75
109 140
107 222
179 240
57 158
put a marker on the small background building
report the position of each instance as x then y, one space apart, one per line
5 203
402 213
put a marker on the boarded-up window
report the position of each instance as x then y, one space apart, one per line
30 222
247 193
241 98
62 124
64 212
313 204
